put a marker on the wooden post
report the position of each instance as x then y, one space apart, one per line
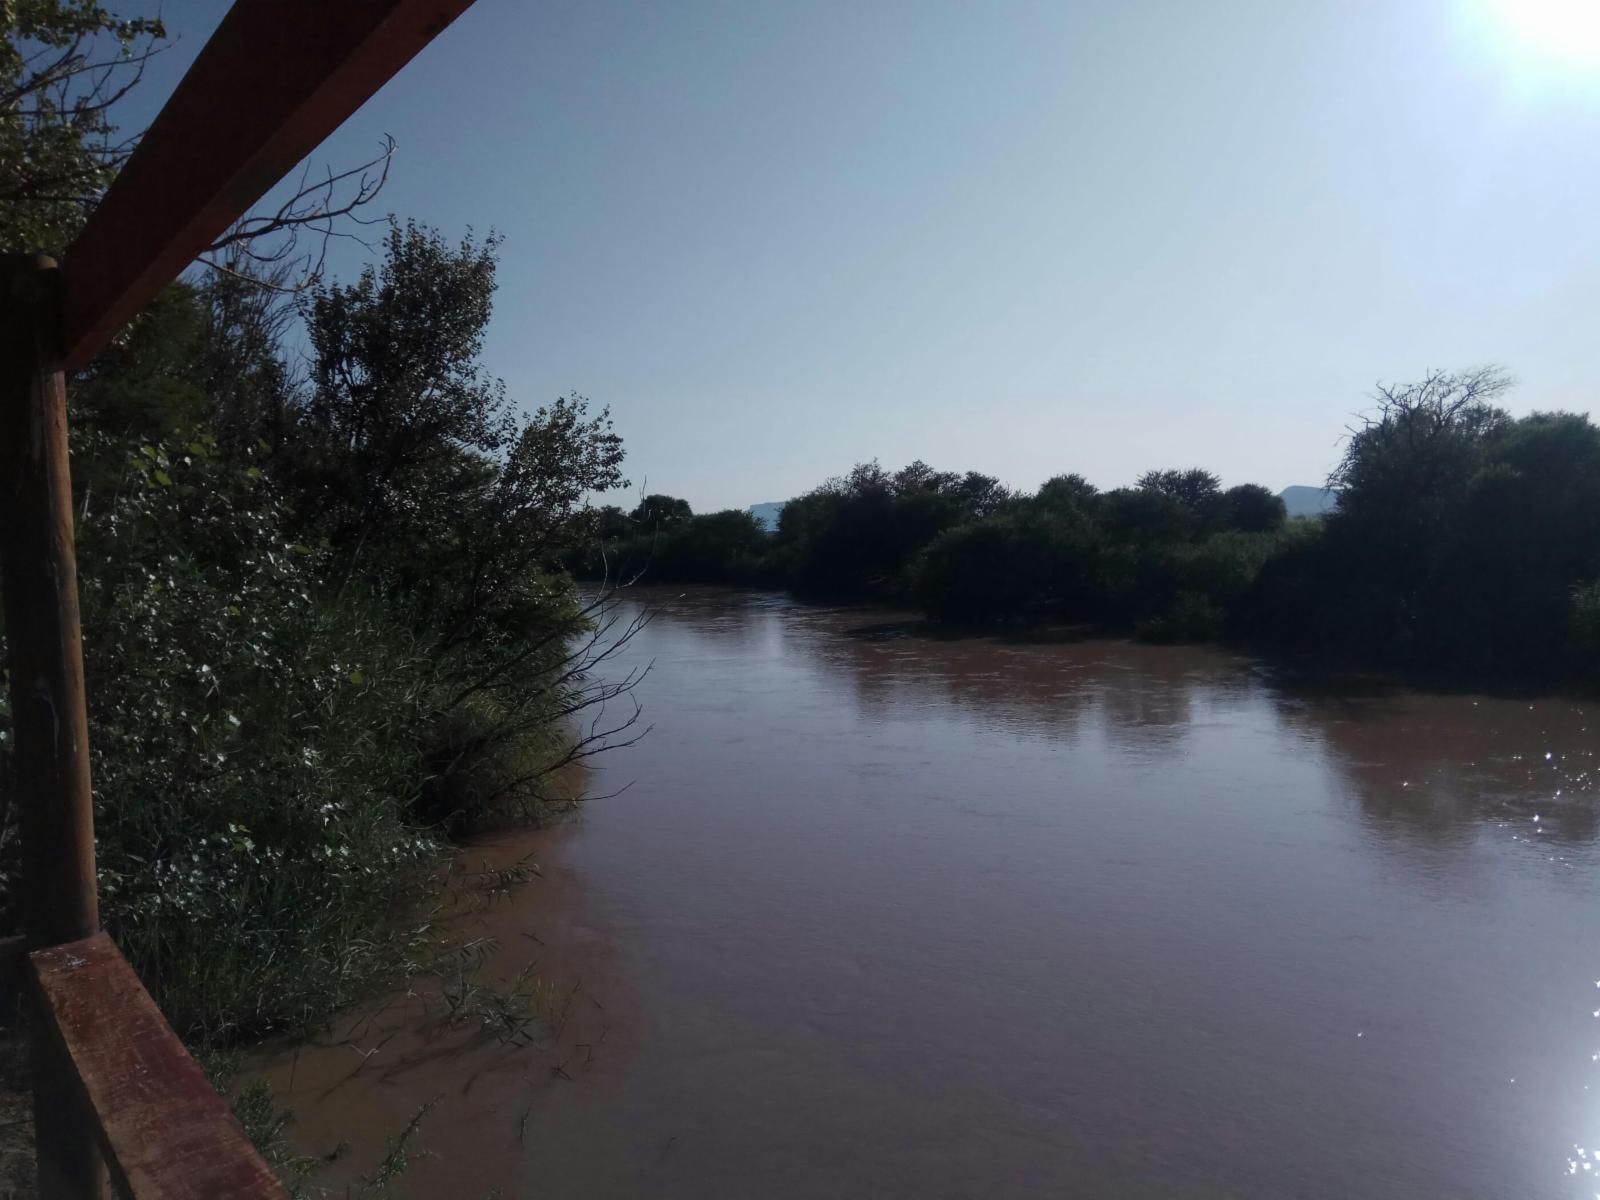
50 736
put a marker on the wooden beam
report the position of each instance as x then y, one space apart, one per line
165 1133
276 78
55 808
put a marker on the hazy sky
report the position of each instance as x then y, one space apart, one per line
1019 238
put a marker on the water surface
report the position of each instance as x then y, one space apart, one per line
886 915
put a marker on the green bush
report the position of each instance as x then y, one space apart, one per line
255 752
298 692
1192 617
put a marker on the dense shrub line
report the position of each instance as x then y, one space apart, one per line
1464 540
326 628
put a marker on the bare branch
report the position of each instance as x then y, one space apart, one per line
316 208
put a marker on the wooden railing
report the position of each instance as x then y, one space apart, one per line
162 1130
114 1092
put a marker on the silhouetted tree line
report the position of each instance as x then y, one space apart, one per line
1464 540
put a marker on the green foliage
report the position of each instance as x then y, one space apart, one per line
252 754
427 482
1197 491
325 621
861 533
993 568
1171 556
1225 565
325 628
1146 515
657 512
1464 540
1066 495
149 384
63 66
1191 617
729 547
1253 509
399 404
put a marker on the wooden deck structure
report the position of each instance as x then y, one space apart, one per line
116 1096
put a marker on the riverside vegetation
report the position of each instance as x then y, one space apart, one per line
1464 541
326 630
326 569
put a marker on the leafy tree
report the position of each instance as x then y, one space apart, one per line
245 356
915 477
983 571
862 531
1253 509
64 65
1145 515
324 624
1015 564
981 495
1067 494
1196 490
1460 540
611 523
148 384
1414 457
661 512
420 469
255 751
721 547
400 413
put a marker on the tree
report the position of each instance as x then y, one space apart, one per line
611 523
1198 491
400 412
983 571
920 477
324 616
148 384
661 512
718 547
1067 494
1463 538
250 382
1144 515
1253 509
64 65
1418 450
981 494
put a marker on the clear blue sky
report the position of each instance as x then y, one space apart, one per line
778 238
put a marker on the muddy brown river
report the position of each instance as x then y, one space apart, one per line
887 915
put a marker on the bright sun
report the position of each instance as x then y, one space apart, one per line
1563 32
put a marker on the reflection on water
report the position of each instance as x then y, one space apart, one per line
886 914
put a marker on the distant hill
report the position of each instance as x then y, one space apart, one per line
767 513
1302 501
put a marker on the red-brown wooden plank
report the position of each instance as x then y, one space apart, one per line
276 78
166 1134
49 721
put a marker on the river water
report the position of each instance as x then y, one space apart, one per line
888 915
